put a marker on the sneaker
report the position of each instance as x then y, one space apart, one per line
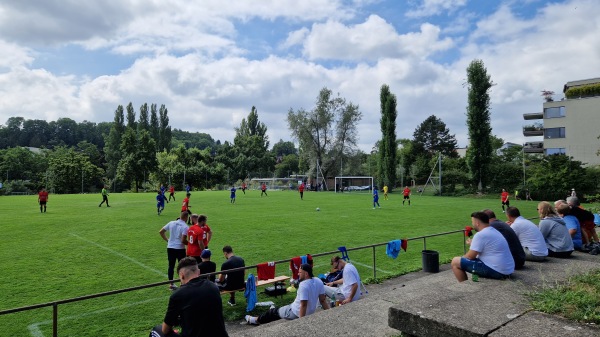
595 251
250 320
172 287
231 304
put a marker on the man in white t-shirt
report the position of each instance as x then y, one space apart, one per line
529 234
310 292
350 282
489 255
175 248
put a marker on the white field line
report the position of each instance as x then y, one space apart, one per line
35 331
121 255
370 266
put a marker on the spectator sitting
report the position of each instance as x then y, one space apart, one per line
586 220
489 255
233 280
516 249
310 292
350 282
555 232
564 211
529 234
207 266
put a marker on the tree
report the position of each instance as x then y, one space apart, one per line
143 122
164 130
552 177
18 163
154 124
432 137
478 122
281 148
251 145
386 163
112 149
69 170
320 140
131 123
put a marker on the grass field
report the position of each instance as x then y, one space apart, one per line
78 249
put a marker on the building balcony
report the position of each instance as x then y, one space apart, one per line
532 116
533 130
534 147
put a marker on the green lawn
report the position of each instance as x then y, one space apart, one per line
78 249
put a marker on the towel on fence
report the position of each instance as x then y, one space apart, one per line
393 248
468 231
295 263
265 270
307 259
250 293
303 259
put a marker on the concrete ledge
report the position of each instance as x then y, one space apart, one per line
440 306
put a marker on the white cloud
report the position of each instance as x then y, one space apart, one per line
436 7
372 40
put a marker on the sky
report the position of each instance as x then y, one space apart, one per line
210 61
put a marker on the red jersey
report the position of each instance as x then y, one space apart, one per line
264 187
43 196
171 189
184 206
504 196
195 234
205 231
301 188
243 186
406 192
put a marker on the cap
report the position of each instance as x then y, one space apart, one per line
205 254
307 268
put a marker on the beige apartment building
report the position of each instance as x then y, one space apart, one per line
570 126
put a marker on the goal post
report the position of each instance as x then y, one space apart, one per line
353 184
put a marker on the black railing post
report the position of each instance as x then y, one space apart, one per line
424 243
55 319
374 270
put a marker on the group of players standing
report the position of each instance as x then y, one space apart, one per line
405 193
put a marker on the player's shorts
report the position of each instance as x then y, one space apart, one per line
480 269
160 204
43 202
407 197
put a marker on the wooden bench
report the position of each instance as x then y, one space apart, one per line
260 283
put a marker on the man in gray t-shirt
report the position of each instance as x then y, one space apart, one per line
175 248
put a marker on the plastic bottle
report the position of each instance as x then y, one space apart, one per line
474 277
333 302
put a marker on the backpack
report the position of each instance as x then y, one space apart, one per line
276 289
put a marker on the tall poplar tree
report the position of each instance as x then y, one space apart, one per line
164 130
154 124
387 146
478 122
112 149
144 122
131 123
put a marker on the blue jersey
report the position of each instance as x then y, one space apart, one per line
375 195
232 190
160 199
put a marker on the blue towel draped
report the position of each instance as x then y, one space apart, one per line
250 293
393 248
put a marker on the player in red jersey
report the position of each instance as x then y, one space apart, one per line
194 242
207 232
171 193
43 199
406 194
301 190
504 199
185 206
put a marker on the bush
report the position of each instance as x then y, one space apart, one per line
590 90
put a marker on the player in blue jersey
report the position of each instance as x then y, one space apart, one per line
232 196
160 202
375 197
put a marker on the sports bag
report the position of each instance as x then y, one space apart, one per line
277 289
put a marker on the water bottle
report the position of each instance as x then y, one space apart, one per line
474 277
333 300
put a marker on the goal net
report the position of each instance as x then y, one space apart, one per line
353 184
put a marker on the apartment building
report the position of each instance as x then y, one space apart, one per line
570 126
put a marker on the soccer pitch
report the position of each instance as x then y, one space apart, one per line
78 249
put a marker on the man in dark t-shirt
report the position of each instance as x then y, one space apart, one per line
233 280
514 244
196 306
207 266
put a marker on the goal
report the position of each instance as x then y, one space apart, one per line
353 184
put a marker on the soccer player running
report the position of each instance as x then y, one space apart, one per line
244 187
375 197
185 206
263 189
504 199
406 194
301 190
171 193
160 202
43 199
104 197
232 196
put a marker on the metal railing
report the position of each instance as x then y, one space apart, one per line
55 304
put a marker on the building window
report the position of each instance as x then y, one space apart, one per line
554 133
555 112
557 150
